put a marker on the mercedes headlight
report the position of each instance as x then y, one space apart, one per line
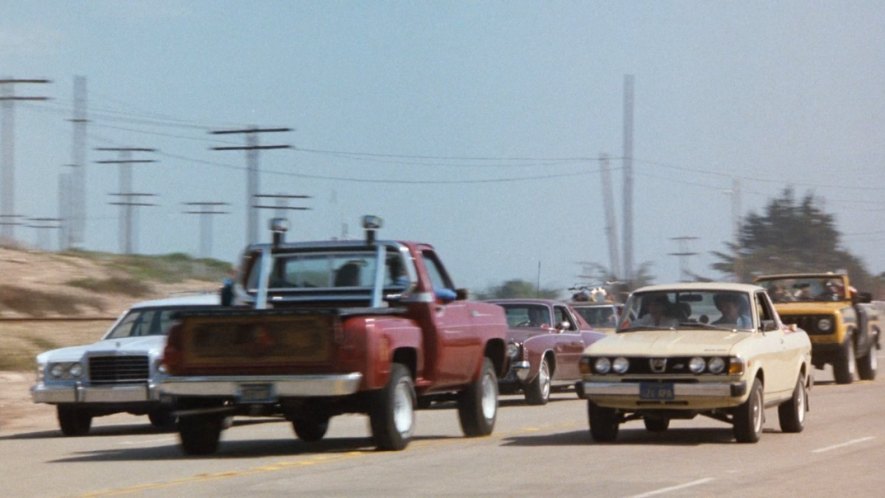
620 365
57 370
76 370
512 350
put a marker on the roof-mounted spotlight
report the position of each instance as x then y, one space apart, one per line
371 224
279 226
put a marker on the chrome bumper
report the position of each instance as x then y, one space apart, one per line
129 393
680 390
520 370
280 385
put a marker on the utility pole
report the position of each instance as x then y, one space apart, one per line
127 205
282 203
735 193
206 210
76 226
42 225
628 178
65 193
7 141
252 147
611 228
683 255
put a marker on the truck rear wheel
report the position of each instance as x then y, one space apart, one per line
200 433
843 367
73 420
310 429
478 404
392 412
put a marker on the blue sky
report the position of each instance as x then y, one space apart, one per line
475 126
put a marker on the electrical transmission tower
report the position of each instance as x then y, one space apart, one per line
252 147
7 142
129 199
206 210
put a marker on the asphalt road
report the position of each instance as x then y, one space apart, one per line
534 451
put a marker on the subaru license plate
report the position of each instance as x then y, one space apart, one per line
256 393
656 391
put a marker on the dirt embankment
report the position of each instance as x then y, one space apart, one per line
70 288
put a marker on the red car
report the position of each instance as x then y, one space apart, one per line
545 341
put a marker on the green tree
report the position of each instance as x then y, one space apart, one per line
791 235
518 289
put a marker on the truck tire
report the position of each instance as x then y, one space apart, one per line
791 413
478 404
200 433
538 390
656 424
604 423
392 412
73 420
843 366
867 366
162 418
749 416
310 429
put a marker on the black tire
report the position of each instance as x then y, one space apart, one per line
604 423
73 420
843 367
749 416
867 366
162 418
392 412
538 390
310 429
656 424
200 433
478 404
791 413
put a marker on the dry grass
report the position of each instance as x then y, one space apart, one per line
40 303
21 342
115 285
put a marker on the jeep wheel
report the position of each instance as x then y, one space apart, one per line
162 418
867 366
392 413
604 423
200 433
843 367
538 391
656 424
749 416
791 413
478 404
311 428
73 420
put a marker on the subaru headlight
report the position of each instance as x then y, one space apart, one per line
825 324
697 364
620 365
716 365
602 365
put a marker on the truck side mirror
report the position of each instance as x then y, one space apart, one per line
462 294
862 297
227 292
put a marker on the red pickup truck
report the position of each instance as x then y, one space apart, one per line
316 329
